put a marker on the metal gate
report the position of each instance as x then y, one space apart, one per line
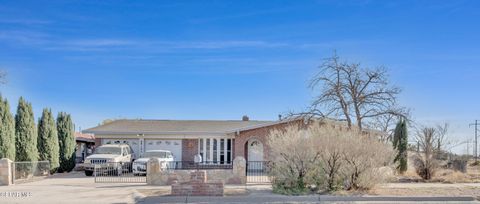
120 172
258 171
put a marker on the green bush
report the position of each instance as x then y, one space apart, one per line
7 131
25 133
48 148
66 141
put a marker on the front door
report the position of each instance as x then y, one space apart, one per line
255 150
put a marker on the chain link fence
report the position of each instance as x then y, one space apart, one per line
29 171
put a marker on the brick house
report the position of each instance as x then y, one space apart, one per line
217 141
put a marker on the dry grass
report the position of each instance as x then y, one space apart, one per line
451 176
441 175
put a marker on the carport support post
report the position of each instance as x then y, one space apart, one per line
6 177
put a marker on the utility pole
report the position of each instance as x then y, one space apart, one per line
476 144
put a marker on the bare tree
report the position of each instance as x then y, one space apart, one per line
333 97
443 141
370 95
353 93
385 124
426 164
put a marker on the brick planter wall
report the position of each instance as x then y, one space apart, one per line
198 186
157 176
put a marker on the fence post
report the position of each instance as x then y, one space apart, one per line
6 170
240 169
155 174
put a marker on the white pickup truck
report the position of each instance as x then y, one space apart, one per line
110 157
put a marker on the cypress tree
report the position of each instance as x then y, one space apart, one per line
7 131
400 143
48 149
66 141
25 133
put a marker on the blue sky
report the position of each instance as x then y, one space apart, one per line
224 59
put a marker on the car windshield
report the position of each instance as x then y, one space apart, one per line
155 154
108 150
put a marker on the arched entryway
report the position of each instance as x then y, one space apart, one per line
256 165
254 150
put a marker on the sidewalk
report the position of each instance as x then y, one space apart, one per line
302 199
263 194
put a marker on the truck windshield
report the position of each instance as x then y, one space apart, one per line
108 150
155 154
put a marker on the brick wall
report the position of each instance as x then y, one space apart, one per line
189 149
98 142
198 186
261 135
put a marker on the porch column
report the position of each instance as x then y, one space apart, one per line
231 150
218 151
225 151
204 150
211 150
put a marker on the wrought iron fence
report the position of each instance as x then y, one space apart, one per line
120 172
27 171
186 165
258 171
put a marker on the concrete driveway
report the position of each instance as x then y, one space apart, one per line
72 188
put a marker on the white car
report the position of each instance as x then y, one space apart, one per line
140 165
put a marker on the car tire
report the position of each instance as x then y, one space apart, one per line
88 173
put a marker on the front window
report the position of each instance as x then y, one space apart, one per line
216 150
156 154
108 150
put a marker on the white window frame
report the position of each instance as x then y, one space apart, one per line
208 150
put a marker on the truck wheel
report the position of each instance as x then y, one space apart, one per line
88 173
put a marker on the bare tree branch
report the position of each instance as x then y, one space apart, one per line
358 94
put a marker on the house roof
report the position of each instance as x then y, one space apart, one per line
84 137
177 126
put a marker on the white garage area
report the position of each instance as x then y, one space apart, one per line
175 146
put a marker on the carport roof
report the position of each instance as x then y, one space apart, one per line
141 126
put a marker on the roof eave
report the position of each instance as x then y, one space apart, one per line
264 125
153 132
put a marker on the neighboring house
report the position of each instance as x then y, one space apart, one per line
85 145
217 141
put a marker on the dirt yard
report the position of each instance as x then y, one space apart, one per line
427 189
